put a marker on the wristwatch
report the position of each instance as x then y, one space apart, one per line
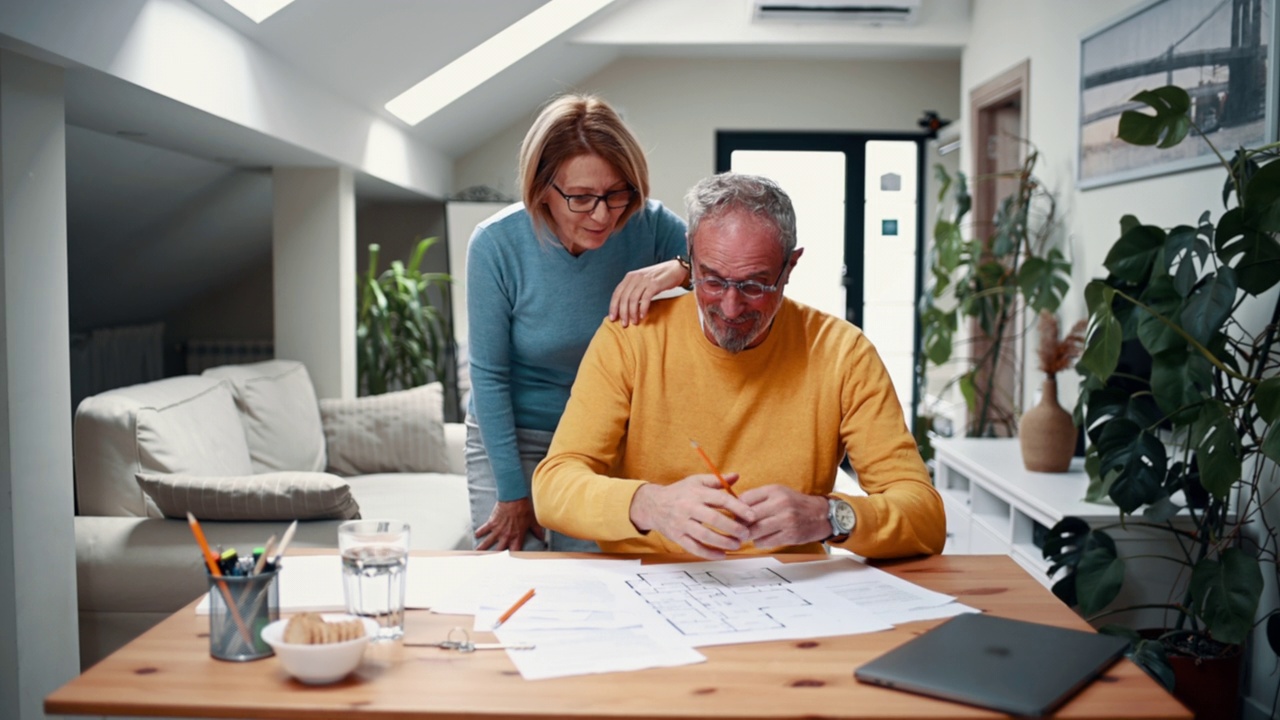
842 518
688 269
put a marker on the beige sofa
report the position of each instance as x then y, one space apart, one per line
246 448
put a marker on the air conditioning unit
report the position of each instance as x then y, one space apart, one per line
864 12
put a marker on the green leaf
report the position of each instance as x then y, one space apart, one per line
1044 282
1167 127
1102 349
1140 460
1184 255
1180 380
1262 198
1153 322
947 243
1100 574
1267 396
1210 305
1217 448
936 331
1226 594
1133 256
1271 441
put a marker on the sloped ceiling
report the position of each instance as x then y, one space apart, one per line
178 198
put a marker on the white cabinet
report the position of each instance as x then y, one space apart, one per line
994 505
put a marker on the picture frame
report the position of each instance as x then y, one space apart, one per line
1187 43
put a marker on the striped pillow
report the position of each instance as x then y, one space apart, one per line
395 432
265 496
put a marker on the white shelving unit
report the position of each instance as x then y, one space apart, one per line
994 505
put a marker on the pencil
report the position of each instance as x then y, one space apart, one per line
284 543
512 610
723 483
211 560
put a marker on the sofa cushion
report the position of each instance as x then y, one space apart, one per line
277 404
267 496
395 432
184 424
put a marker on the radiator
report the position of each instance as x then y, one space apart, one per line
204 354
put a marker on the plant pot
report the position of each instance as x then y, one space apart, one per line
1208 686
1047 433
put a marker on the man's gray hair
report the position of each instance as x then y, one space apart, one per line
758 195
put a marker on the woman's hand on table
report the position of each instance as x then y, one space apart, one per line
508 525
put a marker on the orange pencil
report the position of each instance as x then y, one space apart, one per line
512 610
211 560
723 483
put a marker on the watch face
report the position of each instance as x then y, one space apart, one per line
842 514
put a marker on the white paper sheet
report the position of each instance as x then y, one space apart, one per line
561 653
746 600
889 597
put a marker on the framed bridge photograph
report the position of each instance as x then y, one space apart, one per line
1220 52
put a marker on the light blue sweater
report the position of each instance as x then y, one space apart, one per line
533 308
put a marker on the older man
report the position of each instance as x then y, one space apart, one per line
775 392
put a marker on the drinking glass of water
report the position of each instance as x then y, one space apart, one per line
374 556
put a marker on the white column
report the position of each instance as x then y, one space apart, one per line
313 266
38 622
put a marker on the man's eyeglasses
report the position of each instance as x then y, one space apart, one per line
587 203
749 289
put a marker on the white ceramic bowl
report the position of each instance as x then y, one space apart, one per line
318 664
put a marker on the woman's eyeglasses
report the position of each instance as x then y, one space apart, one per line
587 203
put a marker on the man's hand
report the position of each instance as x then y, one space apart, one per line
507 526
696 513
630 301
786 517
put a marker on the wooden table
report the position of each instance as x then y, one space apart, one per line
168 672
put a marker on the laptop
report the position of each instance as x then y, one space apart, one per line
1017 667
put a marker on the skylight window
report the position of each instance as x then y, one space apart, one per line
258 10
490 58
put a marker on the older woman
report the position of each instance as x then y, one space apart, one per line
542 274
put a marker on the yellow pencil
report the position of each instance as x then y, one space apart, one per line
723 483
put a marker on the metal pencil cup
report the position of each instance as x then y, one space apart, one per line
235 627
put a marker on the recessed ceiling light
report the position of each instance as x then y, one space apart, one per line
258 10
490 58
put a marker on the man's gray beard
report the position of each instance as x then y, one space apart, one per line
729 340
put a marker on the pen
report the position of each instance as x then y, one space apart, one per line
211 560
723 483
512 610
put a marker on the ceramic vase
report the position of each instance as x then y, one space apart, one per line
1047 434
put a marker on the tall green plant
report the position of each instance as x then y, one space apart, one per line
990 280
401 337
1184 436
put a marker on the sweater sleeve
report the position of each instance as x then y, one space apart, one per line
489 308
902 513
572 492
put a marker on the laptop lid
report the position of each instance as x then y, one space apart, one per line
1013 666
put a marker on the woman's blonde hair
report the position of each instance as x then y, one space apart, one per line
572 125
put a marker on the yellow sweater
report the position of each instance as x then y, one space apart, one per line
784 412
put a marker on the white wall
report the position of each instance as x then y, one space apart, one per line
675 107
1006 32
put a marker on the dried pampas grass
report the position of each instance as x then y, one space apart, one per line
1057 354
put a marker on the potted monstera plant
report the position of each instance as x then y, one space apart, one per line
1180 401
